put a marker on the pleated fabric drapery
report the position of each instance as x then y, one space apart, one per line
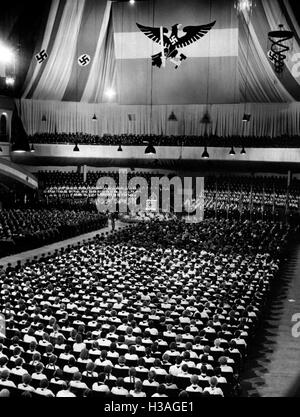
271 120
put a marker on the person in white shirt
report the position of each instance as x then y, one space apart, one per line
44 389
150 382
4 379
25 385
100 385
58 378
38 374
90 370
138 390
103 361
161 391
29 337
213 389
131 354
1 352
18 369
78 346
76 382
131 378
194 387
119 388
176 369
65 392
71 367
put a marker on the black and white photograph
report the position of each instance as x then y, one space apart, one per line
149 204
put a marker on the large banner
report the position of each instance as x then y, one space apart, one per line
152 52
200 52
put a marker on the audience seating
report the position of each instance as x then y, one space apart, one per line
191 294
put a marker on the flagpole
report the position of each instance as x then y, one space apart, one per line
162 47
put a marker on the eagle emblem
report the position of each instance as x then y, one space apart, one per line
170 41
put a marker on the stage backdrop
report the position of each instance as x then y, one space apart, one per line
77 50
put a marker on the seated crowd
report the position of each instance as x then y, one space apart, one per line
163 140
23 229
230 195
159 309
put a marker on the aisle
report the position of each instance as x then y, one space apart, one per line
274 368
23 256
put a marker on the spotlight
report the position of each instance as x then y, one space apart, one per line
150 150
6 55
205 154
120 148
246 118
232 151
9 81
131 1
76 149
243 151
110 93
32 150
244 5
94 118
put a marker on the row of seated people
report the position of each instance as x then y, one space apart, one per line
181 301
163 140
234 193
23 229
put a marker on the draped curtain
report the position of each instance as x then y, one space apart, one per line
271 120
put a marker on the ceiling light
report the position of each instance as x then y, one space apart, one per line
110 93
9 81
206 118
120 148
32 150
150 150
243 151
94 118
246 117
205 154
232 151
172 117
76 149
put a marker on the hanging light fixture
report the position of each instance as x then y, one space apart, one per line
44 118
205 154
32 150
76 148
206 118
232 151
243 151
246 117
120 148
150 150
94 118
172 117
